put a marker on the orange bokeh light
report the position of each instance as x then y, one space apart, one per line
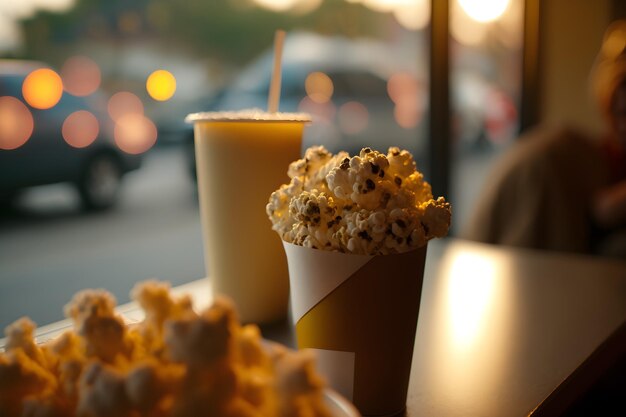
80 129
135 133
353 117
408 113
402 85
16 123
404 90
319 87
42 88
124 103
81 76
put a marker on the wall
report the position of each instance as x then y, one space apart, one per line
571 32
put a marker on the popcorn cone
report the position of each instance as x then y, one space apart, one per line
359 313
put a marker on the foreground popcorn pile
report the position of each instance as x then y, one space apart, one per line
174 363
371 204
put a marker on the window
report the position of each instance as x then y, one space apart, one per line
359 67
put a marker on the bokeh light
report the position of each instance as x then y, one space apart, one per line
276 5
401 85
124 103
42 88
81 76
297 6
382 6
319 87
413 15
353 117
80 129
135 133
404 90
161 85
465 30
16 123
408 113
484 10
305 6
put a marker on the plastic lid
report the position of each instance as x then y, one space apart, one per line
247 115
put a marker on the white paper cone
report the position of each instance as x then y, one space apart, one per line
346 304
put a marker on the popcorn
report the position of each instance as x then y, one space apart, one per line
296 376
371 204
174 363
103 332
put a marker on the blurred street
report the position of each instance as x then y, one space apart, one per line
49 248
90 73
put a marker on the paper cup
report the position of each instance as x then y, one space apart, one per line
241 157
359 313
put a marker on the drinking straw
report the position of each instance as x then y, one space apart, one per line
274 94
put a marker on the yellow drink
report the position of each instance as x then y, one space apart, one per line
240 161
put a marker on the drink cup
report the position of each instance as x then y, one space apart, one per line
241 157
359 313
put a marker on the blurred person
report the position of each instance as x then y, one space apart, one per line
559 189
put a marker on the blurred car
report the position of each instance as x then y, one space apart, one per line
363 93
97 170
342 83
